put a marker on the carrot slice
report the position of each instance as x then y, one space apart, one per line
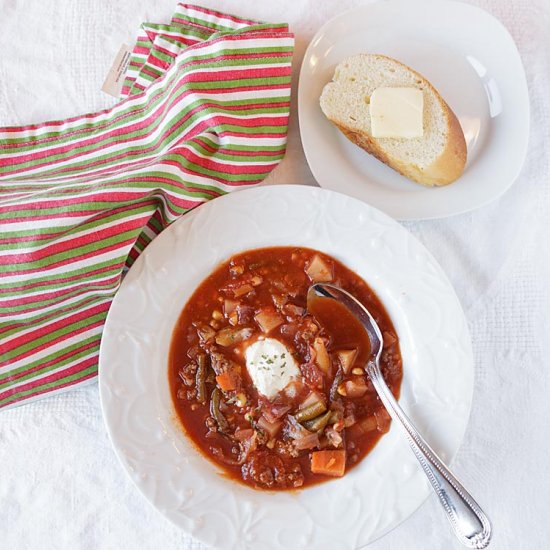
227 381
329 463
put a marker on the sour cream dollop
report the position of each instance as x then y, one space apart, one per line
271 366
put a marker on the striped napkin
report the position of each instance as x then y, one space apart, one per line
205 112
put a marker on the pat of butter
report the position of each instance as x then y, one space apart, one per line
397 113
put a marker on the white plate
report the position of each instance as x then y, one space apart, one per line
469 57
388 485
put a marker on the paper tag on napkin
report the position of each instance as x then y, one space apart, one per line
115 76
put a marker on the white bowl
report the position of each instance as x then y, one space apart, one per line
388 485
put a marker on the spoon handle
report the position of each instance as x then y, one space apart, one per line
469 522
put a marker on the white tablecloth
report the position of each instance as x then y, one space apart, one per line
60 483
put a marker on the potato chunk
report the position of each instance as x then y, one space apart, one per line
268 319
319 271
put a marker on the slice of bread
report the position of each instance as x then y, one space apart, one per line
436 158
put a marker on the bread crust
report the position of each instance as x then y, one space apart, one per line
445 169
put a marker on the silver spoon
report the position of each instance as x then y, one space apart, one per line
469 522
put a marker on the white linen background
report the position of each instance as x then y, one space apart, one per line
60 483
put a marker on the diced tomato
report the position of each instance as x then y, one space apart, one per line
389 339
383 420
274 412
307 441
356 387
229 306
313 398
242 290
321 356
271 428
312 375
365 425
229 336
329 463
346 357
242 434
